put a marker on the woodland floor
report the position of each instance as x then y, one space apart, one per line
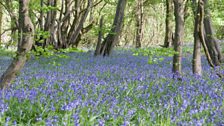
119 90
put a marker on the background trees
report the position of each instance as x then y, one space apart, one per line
56 21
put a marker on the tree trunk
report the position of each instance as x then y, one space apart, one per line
75 34
196 63
202 32
113 35
1 15
50 23
26 34
14 22
39 40
100 36
211 41
168 42
75 20
204 37
64 24
205 34
139 23
179 34
41 18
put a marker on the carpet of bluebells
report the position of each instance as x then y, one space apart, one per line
123 89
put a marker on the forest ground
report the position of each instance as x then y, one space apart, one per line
78 88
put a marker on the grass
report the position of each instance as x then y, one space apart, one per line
119 90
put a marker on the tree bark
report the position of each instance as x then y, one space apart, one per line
39 40
26 36
14 22
64 26
168 42
76 19
211 40
139 23
41 18
196 63
75 34
202 31
113 35
1 15
100 36
50 23
179 35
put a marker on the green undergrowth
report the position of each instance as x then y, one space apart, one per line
155 55
6 52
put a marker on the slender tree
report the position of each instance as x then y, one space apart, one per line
75 34
100 36
14 21
139 23
204 35
196 62
50 23
202 31
41 18
1 15
26 33
63 25
168 41
210 39
113 35
179 6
